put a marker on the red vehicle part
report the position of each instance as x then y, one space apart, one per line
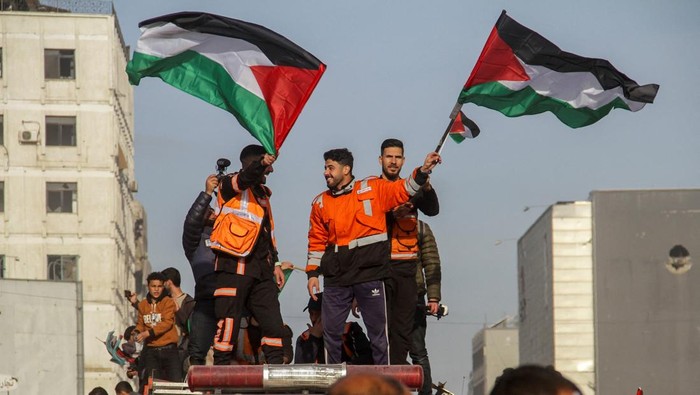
293 377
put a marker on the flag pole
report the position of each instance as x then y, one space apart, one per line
453 115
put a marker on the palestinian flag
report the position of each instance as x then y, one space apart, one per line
520 72
463 128
259 76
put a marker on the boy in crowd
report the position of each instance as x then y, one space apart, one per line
156 326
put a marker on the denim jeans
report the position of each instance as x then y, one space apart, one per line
202 331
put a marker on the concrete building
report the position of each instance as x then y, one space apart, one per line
606 291
647 302
493 349
555 293
41 326
67 165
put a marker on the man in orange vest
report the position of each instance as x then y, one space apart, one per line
246 262
402 223
349 246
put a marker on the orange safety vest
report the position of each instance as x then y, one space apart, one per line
404 238
238 224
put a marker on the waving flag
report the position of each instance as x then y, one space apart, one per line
463 128
520 72
259 76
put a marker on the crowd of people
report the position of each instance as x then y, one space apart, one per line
377 259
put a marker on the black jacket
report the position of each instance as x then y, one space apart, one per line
195 235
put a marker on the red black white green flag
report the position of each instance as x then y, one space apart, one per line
519 72
259 76
463 128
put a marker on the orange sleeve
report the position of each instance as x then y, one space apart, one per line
318 237
392 194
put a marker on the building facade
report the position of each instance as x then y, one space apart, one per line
67 165
555 293
647 303
607 295
493 349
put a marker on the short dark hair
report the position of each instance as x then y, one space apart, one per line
155 276
128 332
531 379
250 151
98 391
123 386
340 155
173 275
390 143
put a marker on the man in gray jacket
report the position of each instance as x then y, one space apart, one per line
428 277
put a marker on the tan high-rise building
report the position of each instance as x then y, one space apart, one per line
555 287
67 167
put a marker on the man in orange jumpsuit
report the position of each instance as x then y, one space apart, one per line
248 272
349 246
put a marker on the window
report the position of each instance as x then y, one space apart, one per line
2 266
61 197
2 196
62 267
0 62
60 131
59 64
2 130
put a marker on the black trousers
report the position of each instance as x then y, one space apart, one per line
419 353
236 292
402 293
162 362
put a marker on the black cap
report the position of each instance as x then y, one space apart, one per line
314 305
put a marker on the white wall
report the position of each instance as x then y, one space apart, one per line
39 335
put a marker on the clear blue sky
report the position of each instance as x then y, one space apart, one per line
394 70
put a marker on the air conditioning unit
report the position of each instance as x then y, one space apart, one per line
29 136
133 186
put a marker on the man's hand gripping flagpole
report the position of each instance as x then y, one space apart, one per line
455 110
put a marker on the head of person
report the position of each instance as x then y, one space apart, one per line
391 158
172 277
533 380
98 391
251 153
130 333
155 283
338 168
367 383
314 308
123 388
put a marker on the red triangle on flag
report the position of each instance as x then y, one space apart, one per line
497 62
457 125
286 90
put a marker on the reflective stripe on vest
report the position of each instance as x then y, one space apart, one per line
226 292
314 258
367 240
367 203
404 238
239 224
412 186
271 341
243 211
